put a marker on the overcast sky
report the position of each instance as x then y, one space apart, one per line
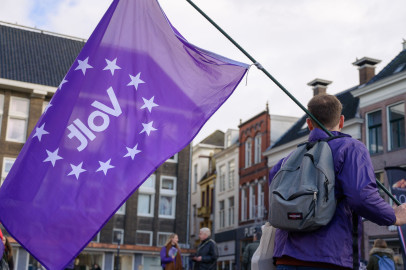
296 41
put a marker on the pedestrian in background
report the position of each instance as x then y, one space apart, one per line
207 253
379 250
170 254
7 262
251 248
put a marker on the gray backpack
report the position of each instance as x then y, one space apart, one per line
301 194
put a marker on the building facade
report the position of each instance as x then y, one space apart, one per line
226 201
33 63
202 184
254 138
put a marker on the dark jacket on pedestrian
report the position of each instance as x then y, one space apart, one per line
248 252
208 250
373 260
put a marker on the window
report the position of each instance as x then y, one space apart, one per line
146 197
248 151
375 132
162 238
1 109
17 119
396 114
167 199
221 214
252 202
228 140
173 159
121 210
258 152
231 172
222 176
261 201
195 180
244 204
193 221
231 211
96 238
143 238
7 164
45 105
118 236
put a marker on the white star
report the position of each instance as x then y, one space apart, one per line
62 82
111 65
76 170
149 104
47 107
39 131
148 128
135 81
83 65
52 157
105 166
132 151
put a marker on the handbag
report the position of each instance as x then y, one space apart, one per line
263 256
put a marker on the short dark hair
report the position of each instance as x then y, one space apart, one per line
380 243
326 108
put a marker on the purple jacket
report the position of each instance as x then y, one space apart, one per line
164 259
355 183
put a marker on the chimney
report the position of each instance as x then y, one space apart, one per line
366 67
319 86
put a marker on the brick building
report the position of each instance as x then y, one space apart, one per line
32 64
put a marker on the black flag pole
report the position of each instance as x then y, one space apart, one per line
380 185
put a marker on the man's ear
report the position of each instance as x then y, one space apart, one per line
309 124
341 123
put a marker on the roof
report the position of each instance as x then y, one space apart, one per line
34 56
216 138
298 130
398 64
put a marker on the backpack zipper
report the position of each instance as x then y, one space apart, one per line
326 190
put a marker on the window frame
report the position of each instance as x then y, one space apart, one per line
173 159
122 235
145 232
222 217
18 116
222 178
248 153
162 233
252 200
3 169
168 193
374 126
121 210
151 191
258 148
231 211
244 201
389 127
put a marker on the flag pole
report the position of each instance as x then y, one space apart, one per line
259 66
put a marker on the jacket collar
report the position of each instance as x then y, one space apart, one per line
317 134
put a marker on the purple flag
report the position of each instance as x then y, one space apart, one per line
137 94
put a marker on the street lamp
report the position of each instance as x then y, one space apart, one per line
119 235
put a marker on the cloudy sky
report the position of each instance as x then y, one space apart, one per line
296 41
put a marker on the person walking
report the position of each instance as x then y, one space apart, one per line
251 248
378 251
355 190
170 254
207 252
7 262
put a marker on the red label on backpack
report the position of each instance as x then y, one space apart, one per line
295 216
